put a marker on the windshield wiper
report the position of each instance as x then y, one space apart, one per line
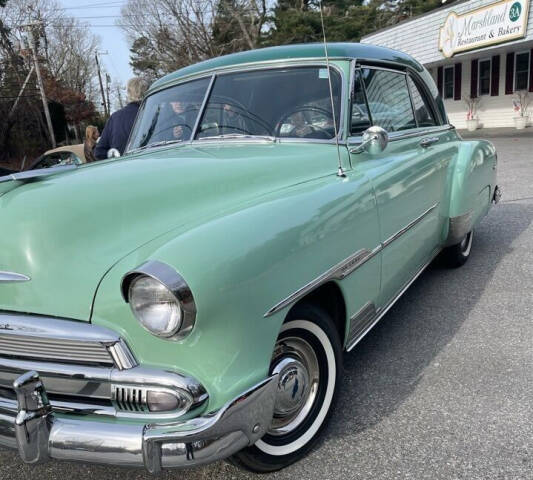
155 144
230 136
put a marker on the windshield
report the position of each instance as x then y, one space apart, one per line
169 115
288 103
292 102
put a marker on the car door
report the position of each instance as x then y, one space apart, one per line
408 176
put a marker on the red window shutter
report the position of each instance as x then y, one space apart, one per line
495 76
473 79
531 71
440 79
457 81
509 74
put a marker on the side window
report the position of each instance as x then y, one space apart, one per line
424 117
360 117
388 99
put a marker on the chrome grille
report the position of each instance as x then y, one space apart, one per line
53 349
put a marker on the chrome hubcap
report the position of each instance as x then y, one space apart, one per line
292 387
296 364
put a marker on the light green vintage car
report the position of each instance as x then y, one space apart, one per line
195 302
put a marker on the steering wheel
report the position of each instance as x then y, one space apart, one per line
184 127
305 108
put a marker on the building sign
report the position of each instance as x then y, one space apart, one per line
495 23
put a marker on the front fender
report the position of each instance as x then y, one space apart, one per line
471 183
238 266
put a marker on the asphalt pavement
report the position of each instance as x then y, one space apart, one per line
442 388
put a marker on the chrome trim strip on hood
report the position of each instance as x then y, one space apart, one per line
41 172
12 277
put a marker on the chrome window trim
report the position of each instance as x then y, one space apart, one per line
347 266
13 277
202 108
255 66
171 279
386 69
262 64
415 77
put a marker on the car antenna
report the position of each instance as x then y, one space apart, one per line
340 171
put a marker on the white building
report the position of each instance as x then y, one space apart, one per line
473 48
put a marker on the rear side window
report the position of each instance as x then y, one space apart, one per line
423 114
388 99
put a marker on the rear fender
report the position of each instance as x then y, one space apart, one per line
471 181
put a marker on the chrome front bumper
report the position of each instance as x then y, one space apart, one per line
29 424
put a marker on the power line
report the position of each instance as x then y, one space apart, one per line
113 4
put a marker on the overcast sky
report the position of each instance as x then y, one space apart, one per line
102 16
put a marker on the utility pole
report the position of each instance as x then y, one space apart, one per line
40 83
106 113
24 85
119 94
107 88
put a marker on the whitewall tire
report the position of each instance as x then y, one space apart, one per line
307 358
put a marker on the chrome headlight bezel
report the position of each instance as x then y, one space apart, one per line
175 284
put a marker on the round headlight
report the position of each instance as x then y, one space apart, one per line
154 305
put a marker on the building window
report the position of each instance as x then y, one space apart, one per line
484 76
521 71
449 82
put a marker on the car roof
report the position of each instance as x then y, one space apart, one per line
76 149
293 52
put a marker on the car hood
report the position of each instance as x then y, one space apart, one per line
66 231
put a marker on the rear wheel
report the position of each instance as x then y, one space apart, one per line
457 255
307 359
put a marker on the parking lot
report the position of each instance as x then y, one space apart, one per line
442 388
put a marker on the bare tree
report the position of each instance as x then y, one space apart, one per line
169 34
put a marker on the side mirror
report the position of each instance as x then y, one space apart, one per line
113 153
375 140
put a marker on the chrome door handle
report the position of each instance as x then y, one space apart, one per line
428 141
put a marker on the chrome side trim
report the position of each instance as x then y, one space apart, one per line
171 279
12 277
360 321
408 227
347 266
338 272
380 312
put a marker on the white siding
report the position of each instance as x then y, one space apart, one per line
420 37
492 111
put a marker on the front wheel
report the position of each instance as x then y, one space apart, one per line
307 359
457 255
